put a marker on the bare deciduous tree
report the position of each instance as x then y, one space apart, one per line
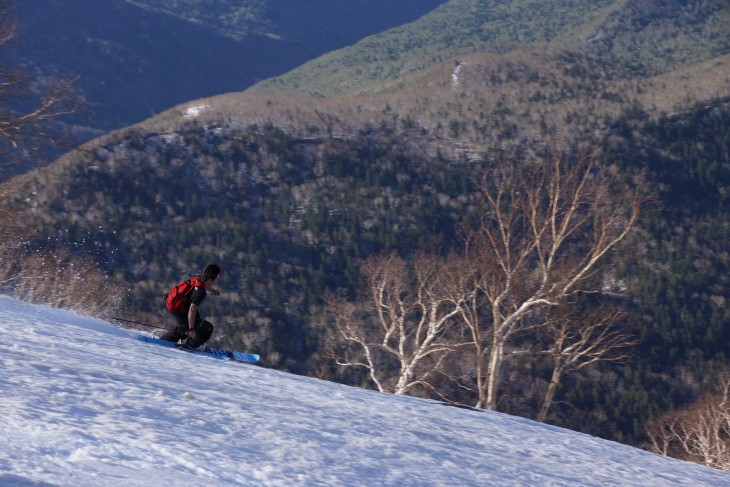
401 325
579 338
699 433
44 275
59 278
26 110
461 286
547 224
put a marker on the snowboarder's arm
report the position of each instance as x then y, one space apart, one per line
192 313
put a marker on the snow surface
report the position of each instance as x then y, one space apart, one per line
86 404
193 112
455 75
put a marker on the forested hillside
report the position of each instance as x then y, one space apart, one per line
291 219
288 219
678 274
133 59
627 37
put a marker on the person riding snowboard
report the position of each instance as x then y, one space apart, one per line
184 301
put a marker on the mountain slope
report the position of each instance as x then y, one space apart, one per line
476 74
634 37
136 58
290 193
291 219
319 25
86 404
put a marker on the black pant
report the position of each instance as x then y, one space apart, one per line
203 330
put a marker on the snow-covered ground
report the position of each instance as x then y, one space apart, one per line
85 404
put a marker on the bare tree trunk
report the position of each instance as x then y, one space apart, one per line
493 372
550 394
479 353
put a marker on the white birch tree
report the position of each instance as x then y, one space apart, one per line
400 332
579 338
547 224
699 433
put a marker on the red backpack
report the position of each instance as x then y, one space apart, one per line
177 299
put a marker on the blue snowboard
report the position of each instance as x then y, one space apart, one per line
214 352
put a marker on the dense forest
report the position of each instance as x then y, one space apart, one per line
287 218
629 38
292 219
678 282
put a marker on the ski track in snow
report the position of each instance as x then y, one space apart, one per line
86 404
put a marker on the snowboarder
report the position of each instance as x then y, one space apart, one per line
192 330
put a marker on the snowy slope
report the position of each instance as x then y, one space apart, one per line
85 404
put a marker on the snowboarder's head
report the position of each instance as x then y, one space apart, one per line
211 273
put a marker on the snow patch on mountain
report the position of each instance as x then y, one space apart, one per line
455 75
194 111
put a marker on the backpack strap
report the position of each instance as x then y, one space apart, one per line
197 282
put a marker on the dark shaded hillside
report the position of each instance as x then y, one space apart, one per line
132 60
318 25
678 277
132 63
290 218
683 276
287 218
